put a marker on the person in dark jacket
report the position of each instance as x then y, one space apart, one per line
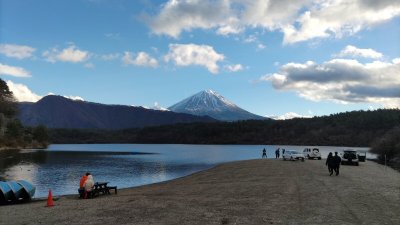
277 153
264 153
330 163
337 161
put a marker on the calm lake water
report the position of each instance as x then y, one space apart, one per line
60 167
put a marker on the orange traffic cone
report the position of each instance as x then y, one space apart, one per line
50 199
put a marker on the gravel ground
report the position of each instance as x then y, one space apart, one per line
247 192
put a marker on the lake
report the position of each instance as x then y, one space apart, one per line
60 167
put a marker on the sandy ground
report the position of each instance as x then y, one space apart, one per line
246 192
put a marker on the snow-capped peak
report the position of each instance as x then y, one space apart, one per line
209 102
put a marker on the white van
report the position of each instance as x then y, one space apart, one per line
312 153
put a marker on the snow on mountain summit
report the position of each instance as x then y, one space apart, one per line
212 104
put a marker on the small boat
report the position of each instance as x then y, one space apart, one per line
6 194
28 188
14 191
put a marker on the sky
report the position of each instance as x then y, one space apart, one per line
276 58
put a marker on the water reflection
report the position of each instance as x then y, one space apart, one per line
124 165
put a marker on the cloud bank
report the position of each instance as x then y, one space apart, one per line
300 20
22 93
342 80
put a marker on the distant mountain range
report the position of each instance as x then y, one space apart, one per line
59 112
210 103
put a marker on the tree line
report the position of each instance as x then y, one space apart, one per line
357 128
12 133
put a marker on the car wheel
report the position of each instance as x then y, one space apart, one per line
319 158
356 163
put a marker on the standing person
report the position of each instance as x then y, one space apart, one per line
337 161
88 185
277 153
330 162
264 154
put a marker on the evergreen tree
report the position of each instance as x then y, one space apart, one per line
8 105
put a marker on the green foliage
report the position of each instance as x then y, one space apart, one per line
12 133
40 134
8 106
14 130
388 145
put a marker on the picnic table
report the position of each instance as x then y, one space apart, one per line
99 187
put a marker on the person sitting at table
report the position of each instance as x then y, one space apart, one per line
83 179
88 185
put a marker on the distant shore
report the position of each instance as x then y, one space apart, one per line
246 192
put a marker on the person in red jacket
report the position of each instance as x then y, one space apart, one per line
83 179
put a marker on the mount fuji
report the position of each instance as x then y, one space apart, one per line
210 103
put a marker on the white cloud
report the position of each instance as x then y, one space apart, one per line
192 54
71 54
176 16
141 59
337 18
159 107
72 97
13 71
261 46
288 116
300 20
22 93
110 57
353 51
342 81
16 51
75 98
234 68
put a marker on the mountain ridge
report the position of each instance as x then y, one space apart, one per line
60 112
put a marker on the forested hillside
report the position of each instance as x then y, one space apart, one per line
357 128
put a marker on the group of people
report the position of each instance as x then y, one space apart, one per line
277 153
86 184
333 163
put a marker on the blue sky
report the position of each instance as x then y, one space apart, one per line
269 57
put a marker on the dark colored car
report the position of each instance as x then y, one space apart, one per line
349 157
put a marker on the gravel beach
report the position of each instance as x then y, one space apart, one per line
246 192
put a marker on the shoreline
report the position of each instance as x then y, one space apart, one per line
244 192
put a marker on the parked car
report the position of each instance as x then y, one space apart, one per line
293 155
349 157
312 153
362 156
